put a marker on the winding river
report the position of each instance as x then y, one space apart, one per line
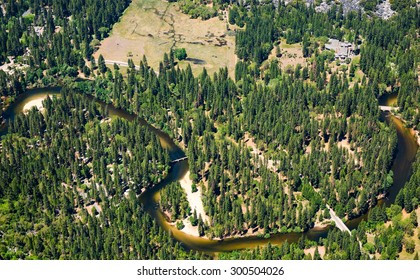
407 148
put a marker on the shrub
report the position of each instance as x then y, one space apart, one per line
180 54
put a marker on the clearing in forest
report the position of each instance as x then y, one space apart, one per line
153 27
291 55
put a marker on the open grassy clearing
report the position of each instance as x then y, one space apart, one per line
153 27
291 55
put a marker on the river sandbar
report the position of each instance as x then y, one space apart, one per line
34 103
194 199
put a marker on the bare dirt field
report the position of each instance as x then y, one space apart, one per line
153 27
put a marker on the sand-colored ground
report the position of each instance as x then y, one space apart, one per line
6 66
404 255
271 164
320 225
34 103
153 27
194 199
96 206
407 256
10 67
292 55
346 145
416 134
190 229
311 251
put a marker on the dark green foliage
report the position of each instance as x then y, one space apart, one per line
256 41
399 5
409 196
385 41
49 185
342 246
174 200
101 64
299 119
409 246
369 5
196 9
49 34
232 175
180 54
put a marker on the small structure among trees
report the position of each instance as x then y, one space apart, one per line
343 50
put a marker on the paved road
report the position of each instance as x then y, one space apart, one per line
120 63
338 222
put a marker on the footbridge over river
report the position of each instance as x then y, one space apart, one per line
338 222
179 159
388 108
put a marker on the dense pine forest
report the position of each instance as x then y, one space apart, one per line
70 184
269 149
53 38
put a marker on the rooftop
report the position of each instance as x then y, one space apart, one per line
342 49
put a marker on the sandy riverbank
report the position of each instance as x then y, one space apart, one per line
324 224
414 132
194 199
190 229
195 202
34 103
